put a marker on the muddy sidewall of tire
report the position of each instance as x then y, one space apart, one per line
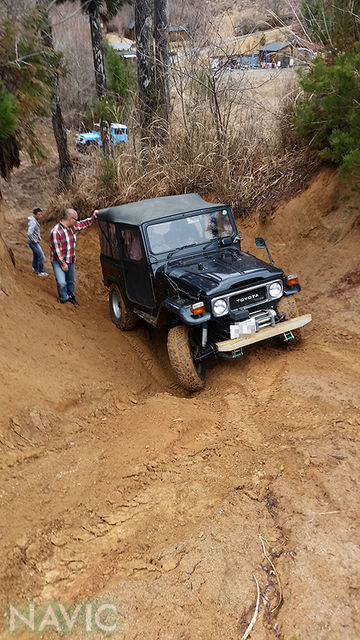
191 377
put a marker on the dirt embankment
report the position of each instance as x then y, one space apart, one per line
117 485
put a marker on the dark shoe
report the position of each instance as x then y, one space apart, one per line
74 302
64 301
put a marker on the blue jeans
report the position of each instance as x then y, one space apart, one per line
65 280
38 256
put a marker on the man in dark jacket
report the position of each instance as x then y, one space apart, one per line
34 239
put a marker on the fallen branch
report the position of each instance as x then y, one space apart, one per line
253 619
276 576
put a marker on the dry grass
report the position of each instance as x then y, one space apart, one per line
252 166
245 171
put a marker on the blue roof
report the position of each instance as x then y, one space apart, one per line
274 46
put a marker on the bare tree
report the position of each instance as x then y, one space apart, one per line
72 37
145 64
66 170
93 8
161 34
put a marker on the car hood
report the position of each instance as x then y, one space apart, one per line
93 135
216 273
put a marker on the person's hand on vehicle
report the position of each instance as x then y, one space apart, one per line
94 215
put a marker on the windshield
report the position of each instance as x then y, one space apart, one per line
193 230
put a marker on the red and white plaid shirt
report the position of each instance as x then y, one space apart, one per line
63 240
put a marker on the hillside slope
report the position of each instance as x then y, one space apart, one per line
115 484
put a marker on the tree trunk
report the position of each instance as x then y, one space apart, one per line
66 170
100 74
161 34
98 53
145 65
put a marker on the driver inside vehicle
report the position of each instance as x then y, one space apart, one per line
168 236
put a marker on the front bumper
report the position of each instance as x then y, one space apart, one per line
269 332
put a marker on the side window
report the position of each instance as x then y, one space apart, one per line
132 245
223 223
113 241
104 238
219 224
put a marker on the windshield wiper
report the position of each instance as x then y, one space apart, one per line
185 246
208 244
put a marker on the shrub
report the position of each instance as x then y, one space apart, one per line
330 114
334 23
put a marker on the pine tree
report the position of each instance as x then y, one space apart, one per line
9 148
25 74
334 23
330 115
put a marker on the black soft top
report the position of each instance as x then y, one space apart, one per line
146 210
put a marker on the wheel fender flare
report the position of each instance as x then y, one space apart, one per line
183 312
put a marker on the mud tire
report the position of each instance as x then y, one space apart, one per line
190 375
121 315
288 306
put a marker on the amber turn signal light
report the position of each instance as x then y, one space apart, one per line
197 309
293 279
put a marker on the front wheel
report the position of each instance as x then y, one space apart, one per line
121 315
288 307
182 355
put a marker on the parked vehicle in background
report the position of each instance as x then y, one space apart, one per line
118 133
177 261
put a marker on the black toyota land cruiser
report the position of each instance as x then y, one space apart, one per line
177 260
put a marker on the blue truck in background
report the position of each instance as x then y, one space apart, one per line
118 133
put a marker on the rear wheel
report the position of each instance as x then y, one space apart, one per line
288 307
121 315
182 355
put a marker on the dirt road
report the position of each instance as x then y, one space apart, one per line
116 485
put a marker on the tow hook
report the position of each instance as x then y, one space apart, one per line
288 336
231 355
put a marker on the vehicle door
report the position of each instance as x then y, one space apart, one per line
110 253
118 134
137 274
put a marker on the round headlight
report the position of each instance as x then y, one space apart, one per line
220 307
275 290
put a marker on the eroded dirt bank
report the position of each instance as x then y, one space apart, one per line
117 485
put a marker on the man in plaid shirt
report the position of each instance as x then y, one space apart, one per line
62 254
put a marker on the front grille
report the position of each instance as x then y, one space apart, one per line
248 298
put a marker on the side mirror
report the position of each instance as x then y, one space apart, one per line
260 243
225 242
